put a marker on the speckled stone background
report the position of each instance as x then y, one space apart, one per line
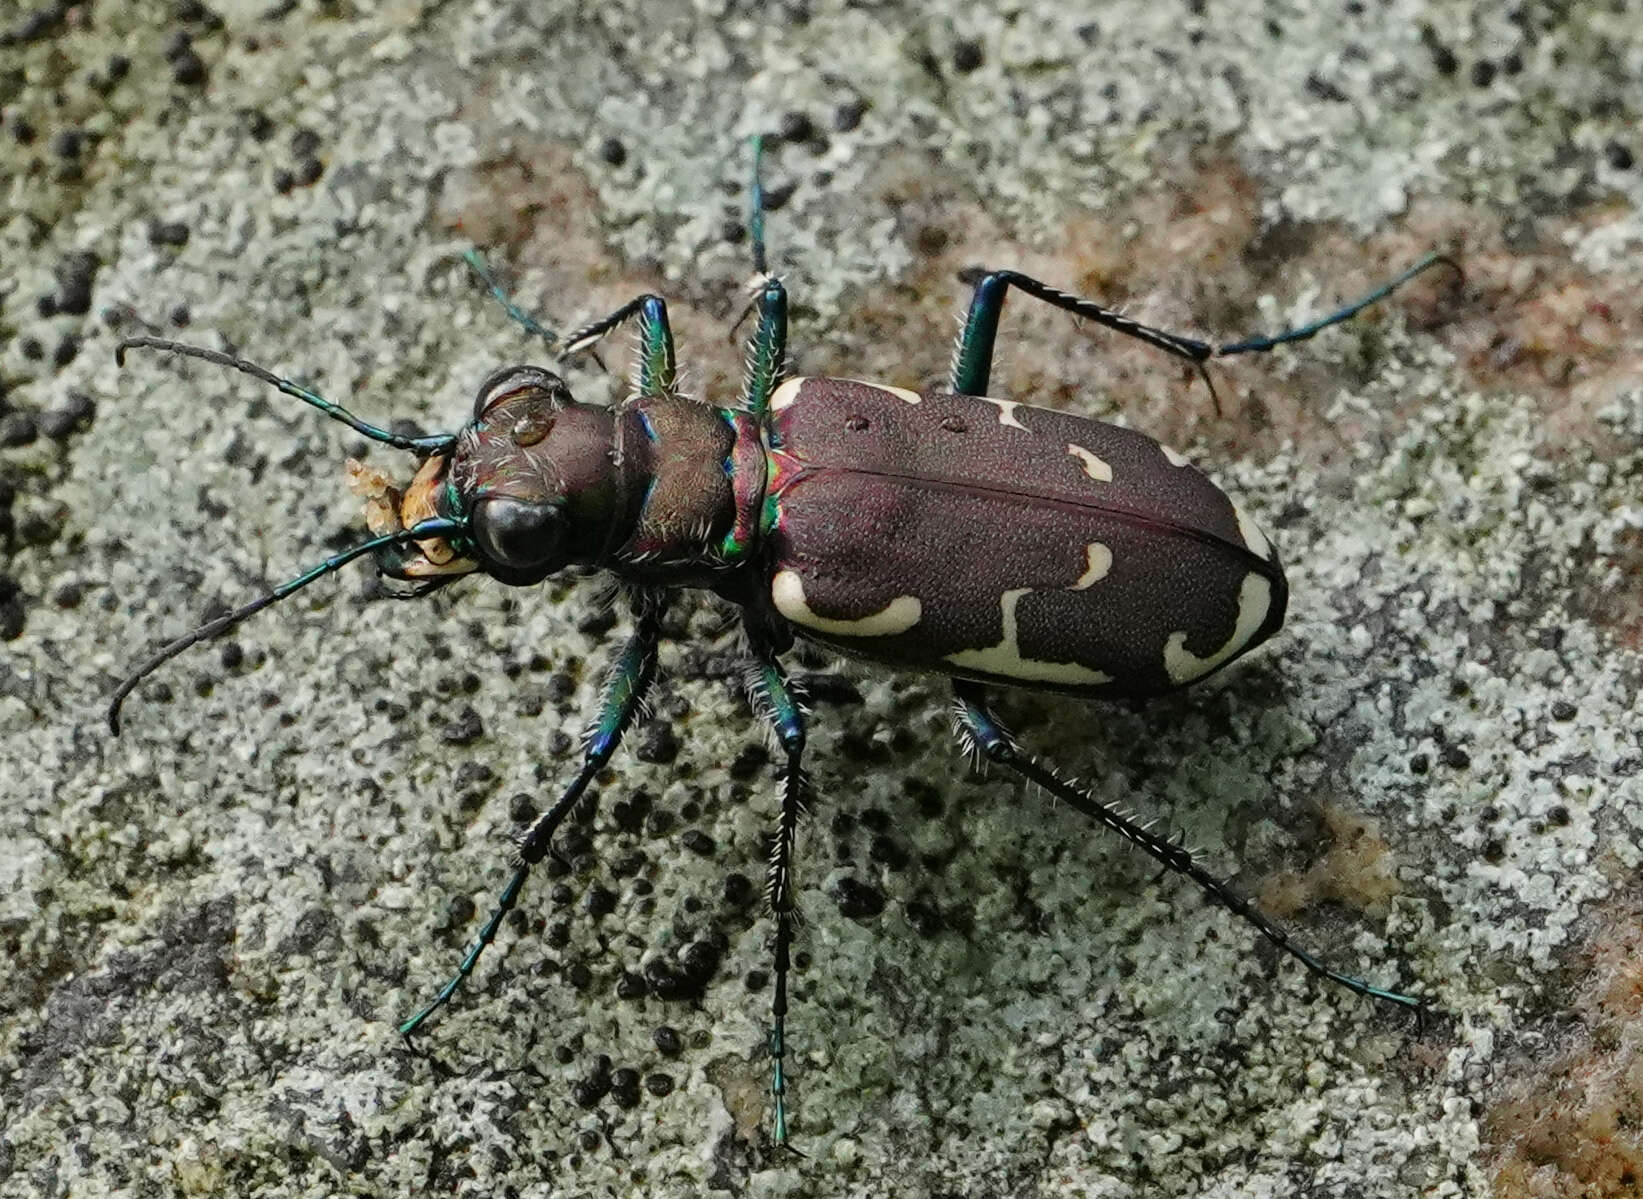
1434 775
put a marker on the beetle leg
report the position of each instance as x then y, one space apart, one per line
980 731
1262 343
626 681
767 351
772 696
973 355
657 372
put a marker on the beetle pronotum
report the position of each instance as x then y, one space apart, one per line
1098 562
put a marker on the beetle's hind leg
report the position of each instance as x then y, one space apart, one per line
973 355
628 678
773 698
980 731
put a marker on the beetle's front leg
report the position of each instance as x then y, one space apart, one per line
657 371
658 375
628 678
981 733
772 696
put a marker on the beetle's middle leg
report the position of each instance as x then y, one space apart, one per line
772 696
627 679
980 731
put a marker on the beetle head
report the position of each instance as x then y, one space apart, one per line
530 477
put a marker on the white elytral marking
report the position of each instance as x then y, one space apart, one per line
901 393
1100 562
1006 412
1005 660
1254 600
784 395
1253 537
1096 468
1175 459
899 615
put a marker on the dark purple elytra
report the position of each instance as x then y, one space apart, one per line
1005 543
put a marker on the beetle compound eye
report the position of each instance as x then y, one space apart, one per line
518 535
512 381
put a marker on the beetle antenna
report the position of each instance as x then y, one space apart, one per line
433 444
422 531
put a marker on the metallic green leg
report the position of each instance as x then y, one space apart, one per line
981 734
626 682
973 357
658 373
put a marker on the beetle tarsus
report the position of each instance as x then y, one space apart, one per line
629 677
1263 342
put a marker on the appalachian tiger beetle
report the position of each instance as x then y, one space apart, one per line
982 539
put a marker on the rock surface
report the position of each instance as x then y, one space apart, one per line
1434 776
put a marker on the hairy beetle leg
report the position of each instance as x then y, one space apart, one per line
628 678
657 374
980 731
973 355
773 697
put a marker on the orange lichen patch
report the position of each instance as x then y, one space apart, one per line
1356 869
380 495
1570 1120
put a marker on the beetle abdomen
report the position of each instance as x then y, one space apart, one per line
1007 543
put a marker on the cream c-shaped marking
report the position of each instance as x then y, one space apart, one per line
1254 601
1006 412
1172 457
784 395
1096 468
1099 562
899 615
901 393
1005 660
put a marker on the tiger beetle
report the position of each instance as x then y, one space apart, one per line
994 542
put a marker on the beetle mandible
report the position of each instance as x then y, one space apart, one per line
1097 562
